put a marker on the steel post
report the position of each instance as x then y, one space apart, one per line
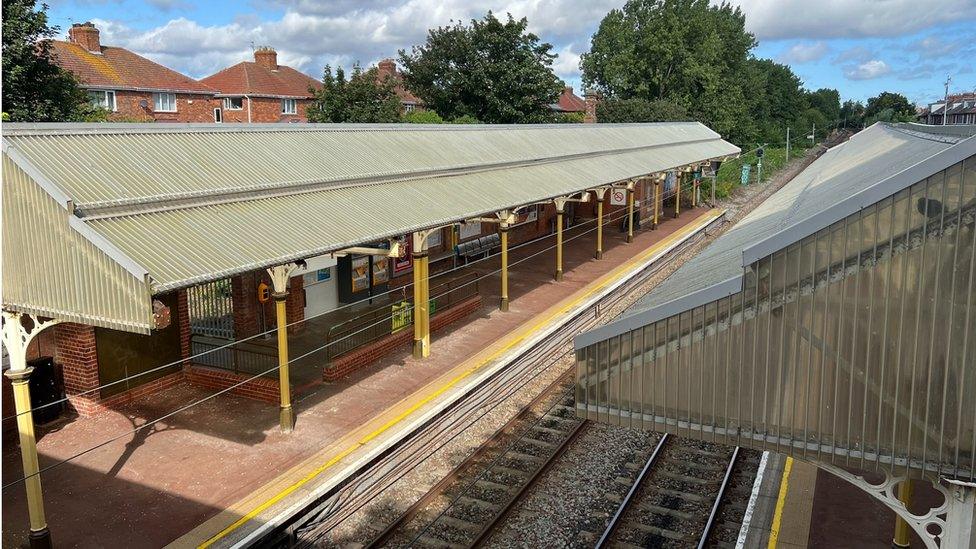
677 194
421 305
630 215
503 230
903 537
559 244
657 200
287 415
599 227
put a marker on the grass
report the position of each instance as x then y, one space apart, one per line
730 174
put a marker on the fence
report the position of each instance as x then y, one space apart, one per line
241 358
380 322
211 309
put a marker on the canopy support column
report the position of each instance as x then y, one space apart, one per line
657 200
677 194
421 295
600 193
16 338
903 537
559 241
503 232
279 282
630 213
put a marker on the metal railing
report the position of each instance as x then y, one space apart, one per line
393 317
242 358
211 309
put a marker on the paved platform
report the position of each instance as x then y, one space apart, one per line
203 464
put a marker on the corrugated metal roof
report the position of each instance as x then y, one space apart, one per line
872 165
187 204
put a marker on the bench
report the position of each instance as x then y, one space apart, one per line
478 247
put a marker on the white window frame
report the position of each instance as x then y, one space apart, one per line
105 94
284 106
229 107
158 96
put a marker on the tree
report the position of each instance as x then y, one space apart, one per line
422 117
639 110
364 98
35 89
686 51
852 114
492 71
901 109
827 102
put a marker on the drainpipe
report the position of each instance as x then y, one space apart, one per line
248 108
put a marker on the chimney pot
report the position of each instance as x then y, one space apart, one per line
590 98
266 57
386 68
86 36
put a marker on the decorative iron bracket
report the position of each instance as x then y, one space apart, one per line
17 337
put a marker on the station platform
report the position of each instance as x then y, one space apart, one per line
196 477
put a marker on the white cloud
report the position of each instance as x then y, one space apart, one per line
874 68
776 19
805 52
566 65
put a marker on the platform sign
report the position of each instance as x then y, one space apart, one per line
618 197
404 262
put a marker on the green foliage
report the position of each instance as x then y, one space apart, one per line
422 117
730 174
466 119
493 71
639 110
852 114
363 98
901 110
696 56
570 118
35 89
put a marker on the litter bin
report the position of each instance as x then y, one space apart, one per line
45 387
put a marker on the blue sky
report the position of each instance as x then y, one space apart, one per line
860 47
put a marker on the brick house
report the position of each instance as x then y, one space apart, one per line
262 90
130 86
387 68
569 102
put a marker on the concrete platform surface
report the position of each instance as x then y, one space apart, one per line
148 489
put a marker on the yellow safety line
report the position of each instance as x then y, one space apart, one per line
784 487
607 279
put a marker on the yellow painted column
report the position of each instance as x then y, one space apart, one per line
40 536
677 194
630 215
903 536
657 200
503 229
599 227
421 308
559 244
287 415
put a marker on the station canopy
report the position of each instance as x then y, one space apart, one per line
98 218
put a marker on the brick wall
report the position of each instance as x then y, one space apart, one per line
182 317
266 109
247 308
262 388
368 354
89 405
189 108
76 353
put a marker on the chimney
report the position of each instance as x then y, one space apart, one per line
86 36
386 68
591 98
266 57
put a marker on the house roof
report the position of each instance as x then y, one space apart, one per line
180 213
250 78
872 165
570 102
120 69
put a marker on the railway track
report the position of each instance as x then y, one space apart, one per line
480 497
685 494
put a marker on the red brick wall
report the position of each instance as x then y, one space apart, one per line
182 317
89 405
77 356
266 109
262 388
247 308
189 108
368 354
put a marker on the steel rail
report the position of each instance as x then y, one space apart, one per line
464 466
718 499
625 504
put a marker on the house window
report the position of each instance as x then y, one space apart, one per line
409 107
289 106
233 103
218 116
164 102
102 98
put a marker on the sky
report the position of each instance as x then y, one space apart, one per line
859 47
